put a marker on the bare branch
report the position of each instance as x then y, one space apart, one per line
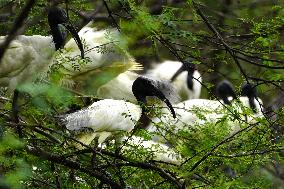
17 25
71 164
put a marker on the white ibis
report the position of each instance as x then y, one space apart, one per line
108 116
106 58
28 56
194 113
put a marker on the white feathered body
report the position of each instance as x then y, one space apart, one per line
167 69
104 117
193 114
159 151
25 58
119 87
106 57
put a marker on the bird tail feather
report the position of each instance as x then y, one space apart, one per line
136 66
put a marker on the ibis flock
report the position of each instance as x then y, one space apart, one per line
172 87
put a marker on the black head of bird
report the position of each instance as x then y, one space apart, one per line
143 87
225 89
58 16
190 68
250 91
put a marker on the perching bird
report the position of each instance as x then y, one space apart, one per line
29 56
195 113
106 57
184 76
108 116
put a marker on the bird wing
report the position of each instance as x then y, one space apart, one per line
25 57
106 58
105 115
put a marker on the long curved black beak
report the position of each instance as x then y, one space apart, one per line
179 71
170 107
76 37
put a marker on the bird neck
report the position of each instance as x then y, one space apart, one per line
252 103
178 72
226 100
142 103
190 80
57 35
144 121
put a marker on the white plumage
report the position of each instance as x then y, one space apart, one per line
104 117
160 152
108 116
106 57
168 68
25 57
195 113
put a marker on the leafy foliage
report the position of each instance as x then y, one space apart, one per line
209 155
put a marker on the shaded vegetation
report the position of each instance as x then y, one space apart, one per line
235 40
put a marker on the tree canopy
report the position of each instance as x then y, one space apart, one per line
241 41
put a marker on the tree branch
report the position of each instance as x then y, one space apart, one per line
71 164
17 25
213 29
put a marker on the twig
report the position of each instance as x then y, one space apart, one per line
143 165
213 29
49 136
259 152
17 25
71 164
110 15
216 146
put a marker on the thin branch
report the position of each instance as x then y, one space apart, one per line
19 21
143 165
49 136
259 152
71 164
110 15
260 65
214 30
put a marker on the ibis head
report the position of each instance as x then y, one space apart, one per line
143 87
58 16
224 90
